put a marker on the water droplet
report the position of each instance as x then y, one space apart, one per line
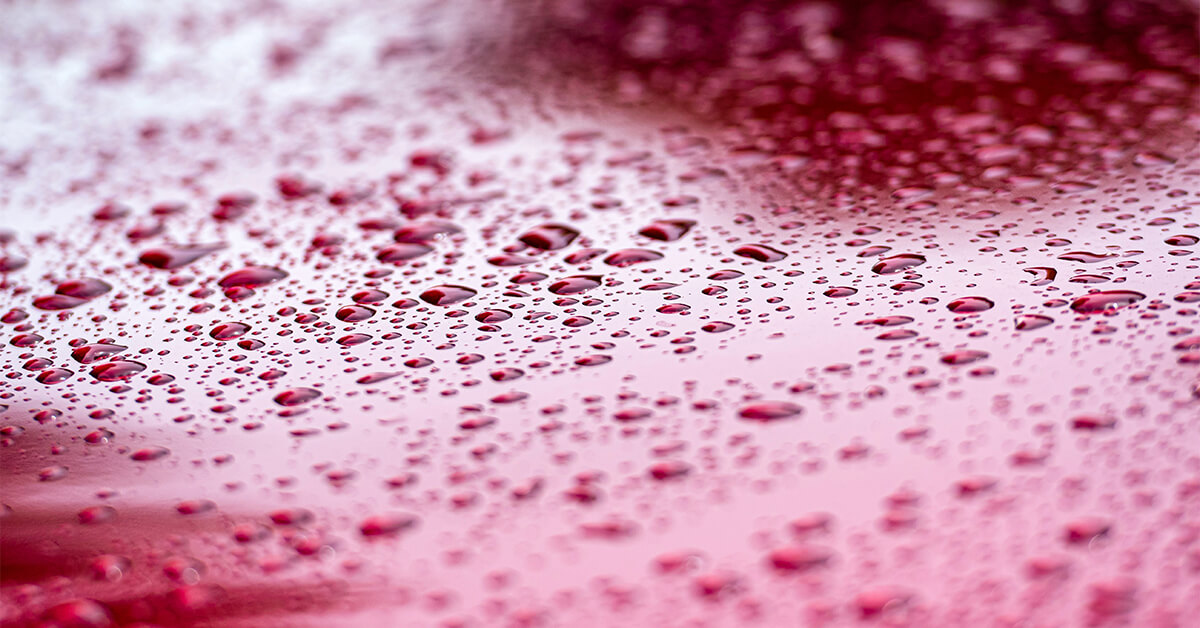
97 514
447 294
1042 275
840 292
667 230
629 257
506 374
83 288
386 525
354 313
291 517
53 376
575 284
512 259
402 251
897 263
176 256
970 305
424 231
110 568
227 331
149 454
966 356
52 473
766 411
799 558
195 507
1085 257
117 370
669 470
252 277
549 237
80 613
57 302
1182 240
760 252
12 263
297 396
369 296
1105 301
1030 322
86 354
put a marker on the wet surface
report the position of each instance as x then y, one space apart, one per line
600 313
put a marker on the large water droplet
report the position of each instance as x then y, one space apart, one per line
575 284
1105 301
402 251
117 370
667 230
897 263
970 305
252 277
229 331
83 288
297 396
629 257
86 354
766 411
176 256
447 294
549 237
760 252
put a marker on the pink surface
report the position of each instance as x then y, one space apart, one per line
599 313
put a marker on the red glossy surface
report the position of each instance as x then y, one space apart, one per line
596 313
